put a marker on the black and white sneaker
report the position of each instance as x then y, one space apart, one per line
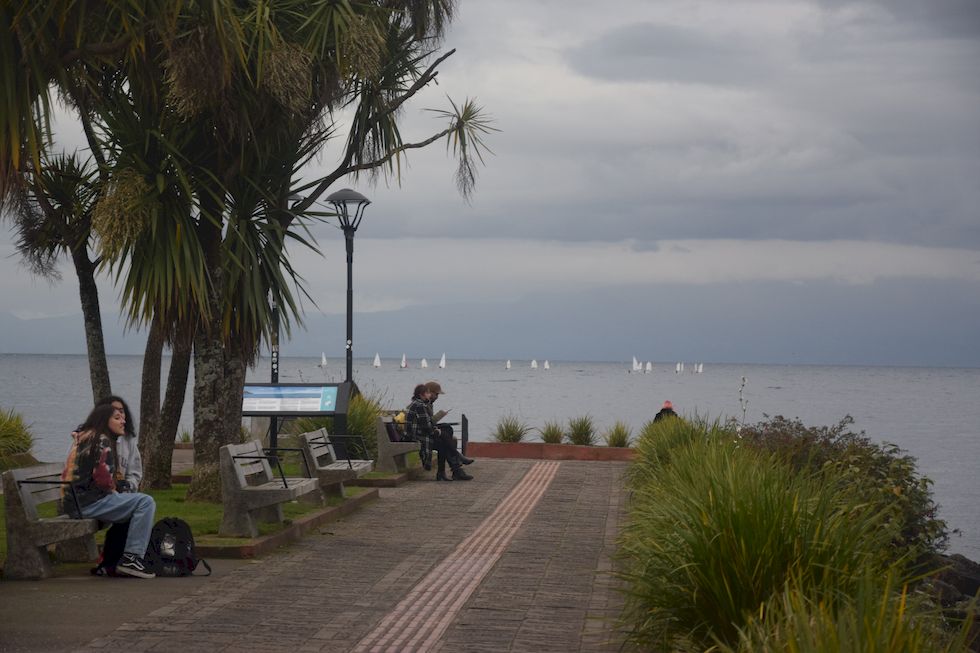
132 565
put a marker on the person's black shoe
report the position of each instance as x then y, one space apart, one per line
441 476
133 565
460 475
465 460
427 465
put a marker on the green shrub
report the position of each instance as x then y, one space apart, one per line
720 529
880 473
185 437
511 429
15 435
362 419
618 435
581 430
552 433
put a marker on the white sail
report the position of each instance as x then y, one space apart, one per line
677 368
323 359
377 360
700 367
404 363
636 366
507 364
547 366
442 361
424 363
534 364
649 367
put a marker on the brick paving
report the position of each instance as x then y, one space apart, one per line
548 589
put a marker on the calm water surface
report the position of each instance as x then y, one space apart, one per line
933 413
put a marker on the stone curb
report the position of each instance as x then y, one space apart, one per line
292 533
544 451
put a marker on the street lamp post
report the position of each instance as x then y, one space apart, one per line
349 206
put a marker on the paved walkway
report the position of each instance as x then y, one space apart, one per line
516 560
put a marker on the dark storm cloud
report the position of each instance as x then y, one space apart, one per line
652 52
958 18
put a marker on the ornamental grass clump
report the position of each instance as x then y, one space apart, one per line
511 429
881 615
581 431
721 529
15 435
618 435
552 433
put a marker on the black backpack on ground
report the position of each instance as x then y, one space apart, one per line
112 550
171 550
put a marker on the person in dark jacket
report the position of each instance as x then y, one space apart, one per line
420 427
666 411
92 475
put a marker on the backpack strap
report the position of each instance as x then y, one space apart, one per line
204 562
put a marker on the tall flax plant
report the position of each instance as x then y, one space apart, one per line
718 530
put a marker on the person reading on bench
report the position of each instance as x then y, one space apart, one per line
420 427
92 474
446 430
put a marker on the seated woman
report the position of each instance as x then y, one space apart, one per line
419 426
92 472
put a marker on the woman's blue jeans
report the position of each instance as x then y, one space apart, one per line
136 508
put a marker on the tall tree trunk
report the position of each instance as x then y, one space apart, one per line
88 292
219 375
173 403
149 433
157 434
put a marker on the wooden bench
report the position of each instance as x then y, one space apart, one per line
28 534
250 492
392 455
322 463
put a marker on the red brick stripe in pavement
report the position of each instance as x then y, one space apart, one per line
420 619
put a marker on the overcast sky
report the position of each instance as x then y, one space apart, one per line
801 175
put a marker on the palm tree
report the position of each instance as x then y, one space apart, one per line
52 216
244 94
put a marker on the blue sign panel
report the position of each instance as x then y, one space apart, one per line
290 399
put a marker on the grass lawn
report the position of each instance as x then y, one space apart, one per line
203 518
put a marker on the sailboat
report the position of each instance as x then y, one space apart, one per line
377 360
442 361
677 368
323 360
547 366
649 367
404 363
534 364
424 364
507 364
700 367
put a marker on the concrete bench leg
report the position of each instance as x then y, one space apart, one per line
237 522
24 559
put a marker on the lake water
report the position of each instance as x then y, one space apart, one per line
933 413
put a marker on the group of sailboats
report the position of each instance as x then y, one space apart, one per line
377 361
678 368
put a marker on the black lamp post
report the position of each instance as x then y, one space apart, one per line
349 206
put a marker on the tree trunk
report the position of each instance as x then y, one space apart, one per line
219 376
173 404
158 426
88 292
149 434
